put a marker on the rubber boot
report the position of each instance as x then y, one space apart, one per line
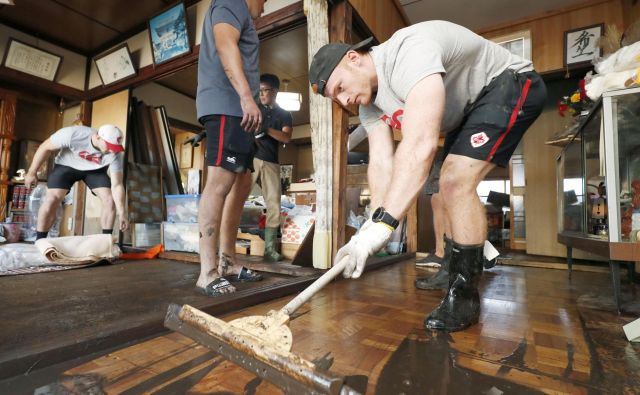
460 308
488 264
440 280
270 253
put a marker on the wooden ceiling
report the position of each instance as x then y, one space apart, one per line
87 27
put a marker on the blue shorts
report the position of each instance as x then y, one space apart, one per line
228 145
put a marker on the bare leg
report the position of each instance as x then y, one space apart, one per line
458 182
231 215
108 207
440 223
47 211
210 212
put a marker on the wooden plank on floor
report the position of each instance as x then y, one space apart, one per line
53 317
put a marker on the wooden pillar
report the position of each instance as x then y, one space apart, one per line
80 190
320 114
340 18
8 102
412 227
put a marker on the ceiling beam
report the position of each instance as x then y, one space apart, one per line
44 37
146 74
281 21
23 80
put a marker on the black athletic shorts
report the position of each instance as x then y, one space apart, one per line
495 123
228 145
63 177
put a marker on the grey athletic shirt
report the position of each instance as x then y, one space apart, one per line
466 61
77 151
216 95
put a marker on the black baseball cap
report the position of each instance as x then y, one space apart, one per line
326 60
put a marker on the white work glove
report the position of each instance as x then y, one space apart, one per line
371 238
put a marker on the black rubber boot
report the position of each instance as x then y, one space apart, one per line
460 308
440 280
488 264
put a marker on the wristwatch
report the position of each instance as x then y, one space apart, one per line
380 215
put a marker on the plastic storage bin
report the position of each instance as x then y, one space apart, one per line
146 235
182 208
180 236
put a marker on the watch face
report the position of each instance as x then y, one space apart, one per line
377 215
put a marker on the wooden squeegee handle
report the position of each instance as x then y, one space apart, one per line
317 285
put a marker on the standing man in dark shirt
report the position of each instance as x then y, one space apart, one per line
228 85
276 128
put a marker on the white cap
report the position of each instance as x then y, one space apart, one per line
112 136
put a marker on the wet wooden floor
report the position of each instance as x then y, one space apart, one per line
539 333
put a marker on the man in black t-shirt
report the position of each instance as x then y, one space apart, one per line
276 128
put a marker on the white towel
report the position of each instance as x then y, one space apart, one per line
78 250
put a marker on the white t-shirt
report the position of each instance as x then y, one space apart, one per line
466 61
77 151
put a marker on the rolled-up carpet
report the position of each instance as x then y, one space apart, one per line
78 250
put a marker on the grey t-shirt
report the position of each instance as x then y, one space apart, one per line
466 61
77 151
215 94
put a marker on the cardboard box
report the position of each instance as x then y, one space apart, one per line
302 187
295 228
632 330
305 198
256 244
289 250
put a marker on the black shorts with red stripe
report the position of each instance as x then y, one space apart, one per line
63 177
495 123
228 145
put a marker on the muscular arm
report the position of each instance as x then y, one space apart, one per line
41 155
227 38
117 190
380 162
283 136
423 113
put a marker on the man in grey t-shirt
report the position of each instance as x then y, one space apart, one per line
83 154
228 84
431 77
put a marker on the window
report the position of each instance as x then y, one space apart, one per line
518 43
502 186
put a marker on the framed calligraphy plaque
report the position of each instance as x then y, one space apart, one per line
31 60
581 45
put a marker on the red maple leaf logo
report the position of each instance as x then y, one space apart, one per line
479 139
95 158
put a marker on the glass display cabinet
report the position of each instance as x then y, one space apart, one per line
598 174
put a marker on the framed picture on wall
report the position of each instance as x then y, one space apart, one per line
115 65
31 60
581 45
168 34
